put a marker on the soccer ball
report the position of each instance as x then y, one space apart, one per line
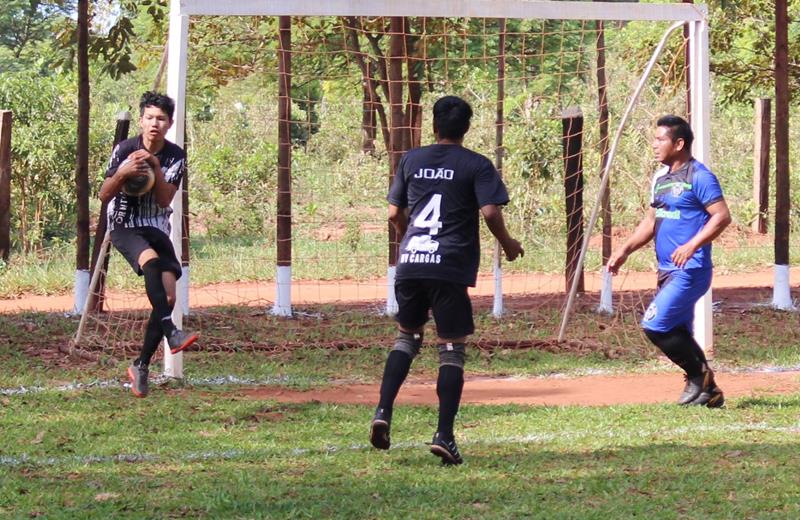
138 185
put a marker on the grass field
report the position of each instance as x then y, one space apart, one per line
199 449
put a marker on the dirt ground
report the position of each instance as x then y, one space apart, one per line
307 292
732 290
584 391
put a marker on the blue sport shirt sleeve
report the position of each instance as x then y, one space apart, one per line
398 193
707 188
489 187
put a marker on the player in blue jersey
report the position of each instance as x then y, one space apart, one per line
434 201
140 225
687 212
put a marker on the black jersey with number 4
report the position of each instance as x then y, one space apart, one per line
444 186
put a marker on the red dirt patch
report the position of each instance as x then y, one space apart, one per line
553 391
347 291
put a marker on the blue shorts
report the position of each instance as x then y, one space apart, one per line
673 306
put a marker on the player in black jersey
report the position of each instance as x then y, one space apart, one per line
140 225
434 201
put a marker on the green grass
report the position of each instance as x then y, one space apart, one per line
211 454
200 450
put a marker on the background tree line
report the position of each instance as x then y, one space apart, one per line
127 41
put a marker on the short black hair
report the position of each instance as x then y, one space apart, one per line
451 116
158 100
678 129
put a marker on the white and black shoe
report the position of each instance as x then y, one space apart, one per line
379 431
692 390
445 449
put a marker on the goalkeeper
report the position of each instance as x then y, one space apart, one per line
687 211
140 224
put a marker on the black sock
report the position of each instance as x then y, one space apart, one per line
448 388
681 348
152 337
394 373
157 294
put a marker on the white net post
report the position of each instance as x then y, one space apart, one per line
701 126
391 299
81 290
176 89
283 285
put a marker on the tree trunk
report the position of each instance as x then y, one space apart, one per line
602 99
398 122
82 161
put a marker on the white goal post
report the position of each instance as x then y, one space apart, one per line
694 16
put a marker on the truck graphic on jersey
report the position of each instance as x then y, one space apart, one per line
422 243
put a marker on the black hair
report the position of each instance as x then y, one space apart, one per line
158 100
451 116
678 129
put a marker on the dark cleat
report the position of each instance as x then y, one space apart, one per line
138 376
694 385
446 450
379 431
711 395
178 340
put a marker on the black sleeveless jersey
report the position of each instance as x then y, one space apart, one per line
443 186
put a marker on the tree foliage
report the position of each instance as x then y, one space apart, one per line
25 27
743 47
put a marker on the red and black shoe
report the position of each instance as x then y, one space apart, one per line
179 340
138 375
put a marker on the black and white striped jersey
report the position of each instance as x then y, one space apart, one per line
126 211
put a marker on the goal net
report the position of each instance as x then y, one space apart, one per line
294 117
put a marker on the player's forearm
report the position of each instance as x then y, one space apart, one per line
400 223
111 186
163 191
641 236
713 228
497 225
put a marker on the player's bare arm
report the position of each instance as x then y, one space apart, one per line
399 218
720 218
162 190
113 185
493 216
641 235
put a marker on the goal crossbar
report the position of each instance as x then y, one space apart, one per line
448 8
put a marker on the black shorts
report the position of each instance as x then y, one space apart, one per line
132 241
452 309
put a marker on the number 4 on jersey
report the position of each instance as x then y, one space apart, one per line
430 216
